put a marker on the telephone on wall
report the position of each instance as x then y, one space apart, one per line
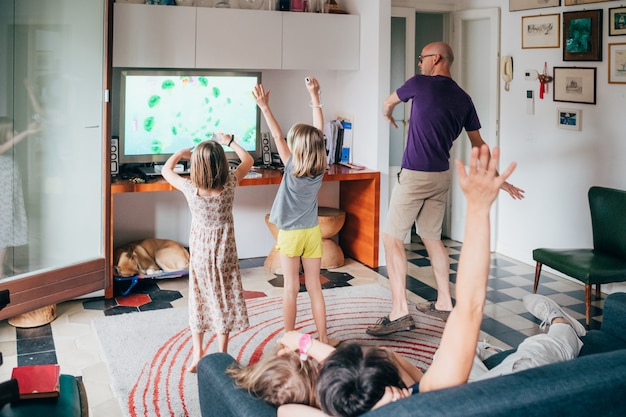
507 70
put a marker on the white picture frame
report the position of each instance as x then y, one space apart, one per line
570 119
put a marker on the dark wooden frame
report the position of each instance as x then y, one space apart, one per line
585 26
516 5
616 13
564 85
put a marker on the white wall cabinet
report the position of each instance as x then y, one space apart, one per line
320 41
189 37
154 36
232 38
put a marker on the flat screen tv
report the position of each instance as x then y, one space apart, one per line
162 111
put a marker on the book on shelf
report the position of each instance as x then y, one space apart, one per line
37 381
346 143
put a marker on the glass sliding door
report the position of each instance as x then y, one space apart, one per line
52 61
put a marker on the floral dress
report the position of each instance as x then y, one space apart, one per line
13 223
216 297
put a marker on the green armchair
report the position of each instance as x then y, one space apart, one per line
606 261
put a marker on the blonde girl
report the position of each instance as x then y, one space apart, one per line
279 379
216 297
294 211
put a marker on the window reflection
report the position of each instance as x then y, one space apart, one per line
51 124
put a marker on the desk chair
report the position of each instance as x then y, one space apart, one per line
606 261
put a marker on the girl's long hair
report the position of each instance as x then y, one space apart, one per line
279 380
308 150
209 165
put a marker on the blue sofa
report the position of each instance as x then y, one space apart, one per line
592 384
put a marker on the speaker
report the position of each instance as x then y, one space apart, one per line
115 152
265 148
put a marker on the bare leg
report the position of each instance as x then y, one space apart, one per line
222 342
198 351
397 270
441 269
291 277
3 255
314 289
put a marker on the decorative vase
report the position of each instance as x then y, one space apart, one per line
250 4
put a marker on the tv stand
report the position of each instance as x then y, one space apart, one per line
155 170
359 197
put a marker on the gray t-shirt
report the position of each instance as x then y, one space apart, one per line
295 205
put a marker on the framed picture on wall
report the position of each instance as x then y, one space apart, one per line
617 63
575 2
569 119
542 31
617 21
582 35
515 5
574 85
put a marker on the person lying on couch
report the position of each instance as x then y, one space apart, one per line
350 384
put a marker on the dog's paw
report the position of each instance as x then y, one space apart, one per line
152 271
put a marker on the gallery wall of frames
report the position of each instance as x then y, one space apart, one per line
582 35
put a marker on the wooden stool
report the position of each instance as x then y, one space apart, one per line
331 221
35 318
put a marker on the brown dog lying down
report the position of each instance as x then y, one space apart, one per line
150 256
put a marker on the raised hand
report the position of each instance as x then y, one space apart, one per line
481 182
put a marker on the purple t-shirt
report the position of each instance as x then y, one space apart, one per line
440 110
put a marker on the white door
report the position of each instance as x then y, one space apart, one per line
402 68
476 44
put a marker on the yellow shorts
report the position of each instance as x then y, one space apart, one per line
306 243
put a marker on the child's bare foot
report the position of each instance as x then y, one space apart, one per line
330 342
193 368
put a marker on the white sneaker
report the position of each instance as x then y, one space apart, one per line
485 350
547 310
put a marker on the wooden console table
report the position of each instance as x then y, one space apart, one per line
359 196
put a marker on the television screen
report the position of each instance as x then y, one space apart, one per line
164 111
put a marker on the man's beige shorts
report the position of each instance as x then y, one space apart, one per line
418 197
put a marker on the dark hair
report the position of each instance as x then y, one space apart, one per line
353 379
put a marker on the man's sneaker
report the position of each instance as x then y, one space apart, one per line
547 310
429 308
486 350
384 326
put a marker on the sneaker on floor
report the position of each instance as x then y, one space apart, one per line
429 309
547 310
384 326
485 350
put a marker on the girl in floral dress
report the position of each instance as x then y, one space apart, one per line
216 297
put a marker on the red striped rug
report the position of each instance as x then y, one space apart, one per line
147 353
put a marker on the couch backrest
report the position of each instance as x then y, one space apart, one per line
590 385
608 220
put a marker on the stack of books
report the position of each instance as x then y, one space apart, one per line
338 135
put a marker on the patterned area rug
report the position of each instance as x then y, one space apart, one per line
147 352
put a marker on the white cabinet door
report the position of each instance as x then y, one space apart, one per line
313 41
154 36
236 39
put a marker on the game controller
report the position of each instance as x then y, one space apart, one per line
308 80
